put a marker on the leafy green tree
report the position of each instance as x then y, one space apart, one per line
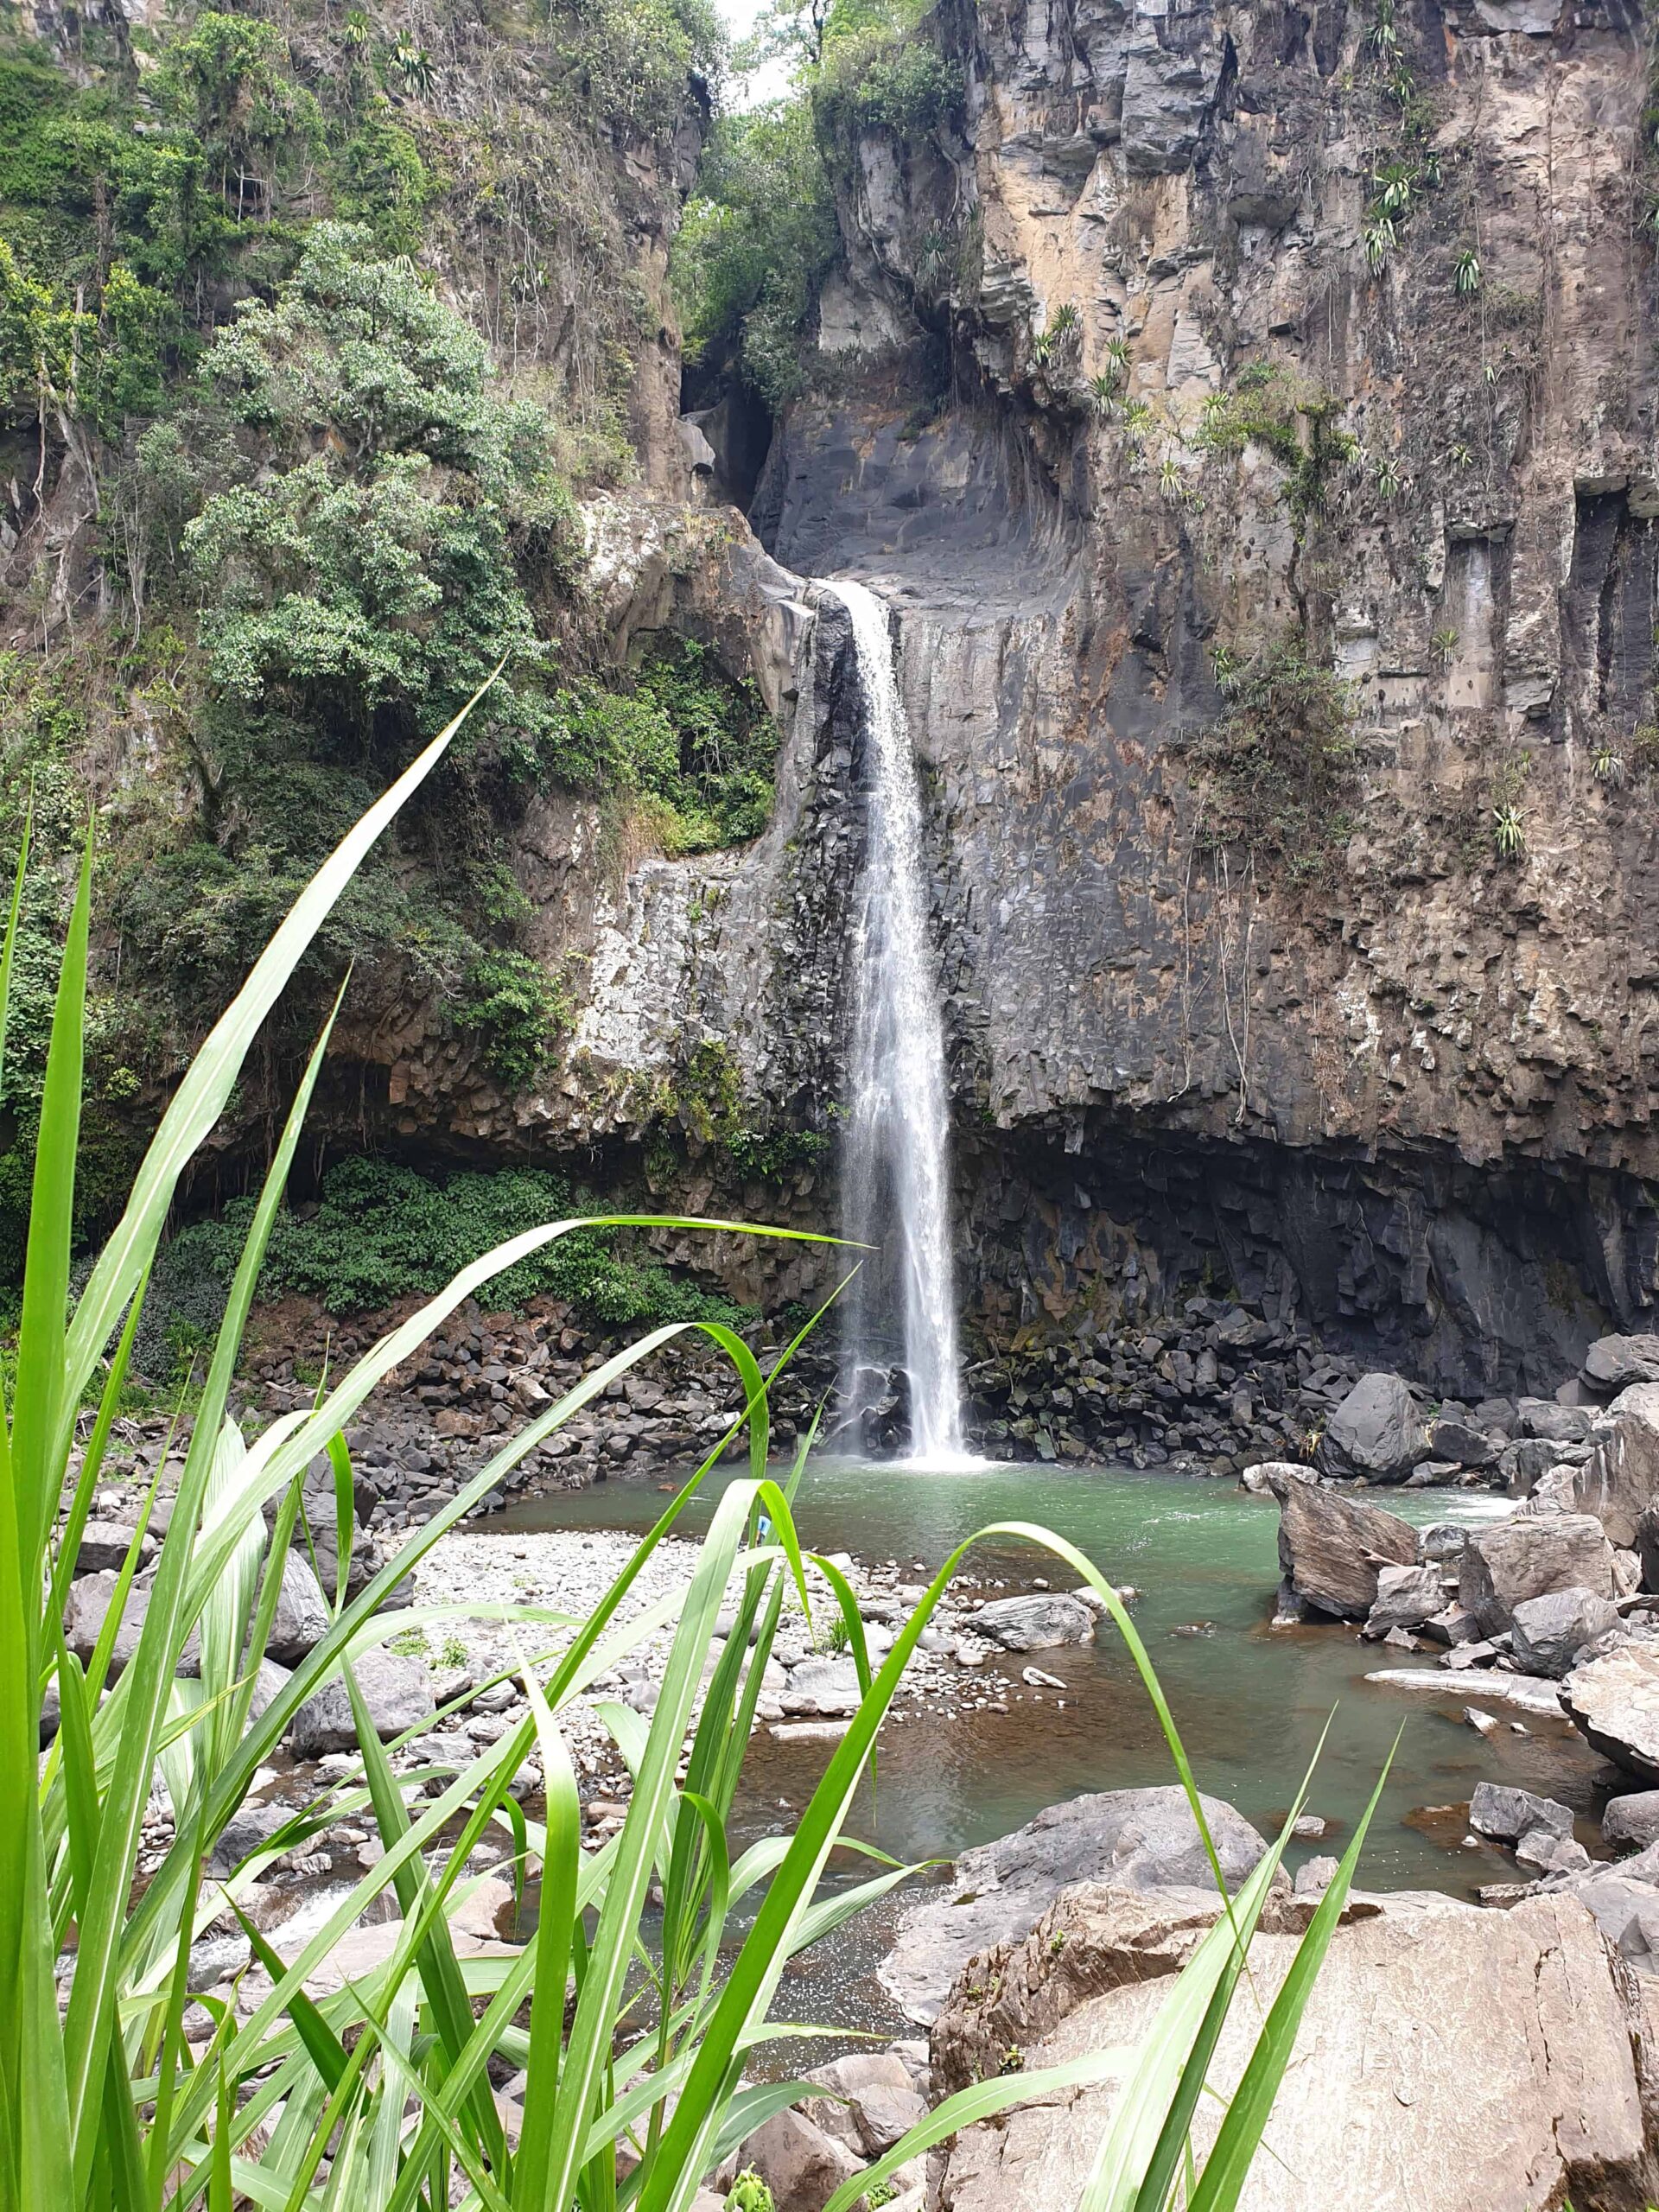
754 244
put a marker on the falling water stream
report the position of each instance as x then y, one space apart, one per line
898 1152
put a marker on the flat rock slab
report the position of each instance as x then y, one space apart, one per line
1525 1692
1614 1703
1450 2060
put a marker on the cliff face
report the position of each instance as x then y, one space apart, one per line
1212 335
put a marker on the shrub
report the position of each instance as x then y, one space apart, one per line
753 243
379 1230
1276 772
516 1010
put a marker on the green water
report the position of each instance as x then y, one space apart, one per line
1251 1701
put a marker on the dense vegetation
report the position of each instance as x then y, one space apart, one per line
288 378
760 234
378 1232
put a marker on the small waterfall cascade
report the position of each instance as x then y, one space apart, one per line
897 1157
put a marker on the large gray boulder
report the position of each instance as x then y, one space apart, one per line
1450 2060
1463 1444
1631 1822
800 2163
1136 1839
1614 1702
397 1691
1037 1623
827 1688
1513 1560
1377 1432
882 2102
1549 1632
1614 1363
1331 1548
1620 1479
1560 1424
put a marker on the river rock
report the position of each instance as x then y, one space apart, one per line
882 2102
104 1545
1407 1597
826 1688
1506 1815
1037 1622
1614 1363
1549 1632
1515 1559
1560 1424
1375 1432
801 2164
1630 1823
1267 1478
1139 1838
1463 1444
1620 1478
248 1829
1614 1703
1549 1853
1450 2059
301 1618
1332 1548
397 1690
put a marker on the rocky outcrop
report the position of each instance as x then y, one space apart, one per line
1454 2060
1137 1838
1516 1559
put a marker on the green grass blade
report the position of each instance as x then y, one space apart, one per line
561 1871
1227 2167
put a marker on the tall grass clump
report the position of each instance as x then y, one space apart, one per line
379 2095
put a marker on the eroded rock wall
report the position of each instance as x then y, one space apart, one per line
1409 1091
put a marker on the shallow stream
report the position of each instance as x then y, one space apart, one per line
1251 1701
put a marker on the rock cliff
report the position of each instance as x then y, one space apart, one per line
1198 343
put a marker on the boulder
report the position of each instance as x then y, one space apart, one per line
1463 1444
1549 1632
799 2163
1614 1703
826 1688
882 2102
1037 1622
1550 1853
1450 2059
1560 1424
1620 1478
1139 1839
301 1618
248 1829
1512 1561
1375 1432
1614 1363
1267 1478
1630 1823
1507 1815
397 1691
1332 1548
104 1545
1407 1597
87 1607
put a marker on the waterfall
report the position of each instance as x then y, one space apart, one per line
898 1149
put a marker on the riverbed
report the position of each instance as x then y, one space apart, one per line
1251 1701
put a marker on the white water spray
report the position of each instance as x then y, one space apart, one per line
898 1154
